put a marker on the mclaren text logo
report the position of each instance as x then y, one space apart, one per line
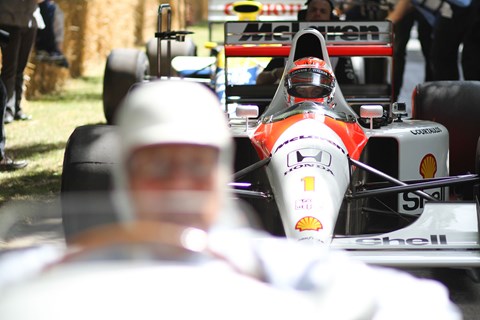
266 32
434 239
308 137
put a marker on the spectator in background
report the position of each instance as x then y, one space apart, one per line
50 38
16 17
6 163
402 28
453 22
460 25
317 10
376 69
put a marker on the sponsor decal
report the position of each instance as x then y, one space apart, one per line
308 137
257 32
310 239
309 155
414 202
426 131
270 9
427 169
303 204
428 166
308 224
434 239
309 158
308 165
308 183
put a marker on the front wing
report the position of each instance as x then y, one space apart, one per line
445 235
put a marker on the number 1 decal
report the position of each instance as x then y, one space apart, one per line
309 183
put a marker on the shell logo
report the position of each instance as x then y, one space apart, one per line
428 166
308 224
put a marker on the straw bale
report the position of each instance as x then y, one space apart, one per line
43 77
93 28
146 27
148 24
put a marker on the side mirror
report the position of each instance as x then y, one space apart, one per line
371 112
246 111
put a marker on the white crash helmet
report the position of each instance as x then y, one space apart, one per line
170 112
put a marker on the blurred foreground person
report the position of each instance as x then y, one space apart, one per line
195 256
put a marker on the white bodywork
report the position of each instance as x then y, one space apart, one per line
309 173
422 153
445 235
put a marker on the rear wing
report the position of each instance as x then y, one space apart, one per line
343 39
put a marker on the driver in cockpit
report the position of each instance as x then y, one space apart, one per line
310 79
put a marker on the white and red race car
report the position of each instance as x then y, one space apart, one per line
361 176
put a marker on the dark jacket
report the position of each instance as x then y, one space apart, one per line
17 13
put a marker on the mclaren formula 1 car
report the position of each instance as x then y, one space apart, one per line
357 174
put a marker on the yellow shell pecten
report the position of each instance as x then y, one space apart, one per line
308 223
428 166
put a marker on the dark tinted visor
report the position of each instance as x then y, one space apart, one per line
310 83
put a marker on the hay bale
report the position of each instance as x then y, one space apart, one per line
44 77
147 20
93 28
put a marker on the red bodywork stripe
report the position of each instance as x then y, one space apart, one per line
351 134
284 51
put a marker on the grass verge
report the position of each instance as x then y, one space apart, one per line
42 140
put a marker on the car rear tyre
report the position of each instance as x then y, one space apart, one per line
185 48
124 68
453 104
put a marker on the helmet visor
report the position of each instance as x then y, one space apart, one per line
310 83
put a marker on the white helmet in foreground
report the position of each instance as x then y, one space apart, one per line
165 113
172 111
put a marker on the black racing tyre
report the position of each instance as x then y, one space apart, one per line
476 190
477 157
124 68
89 158
185 48
454 104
